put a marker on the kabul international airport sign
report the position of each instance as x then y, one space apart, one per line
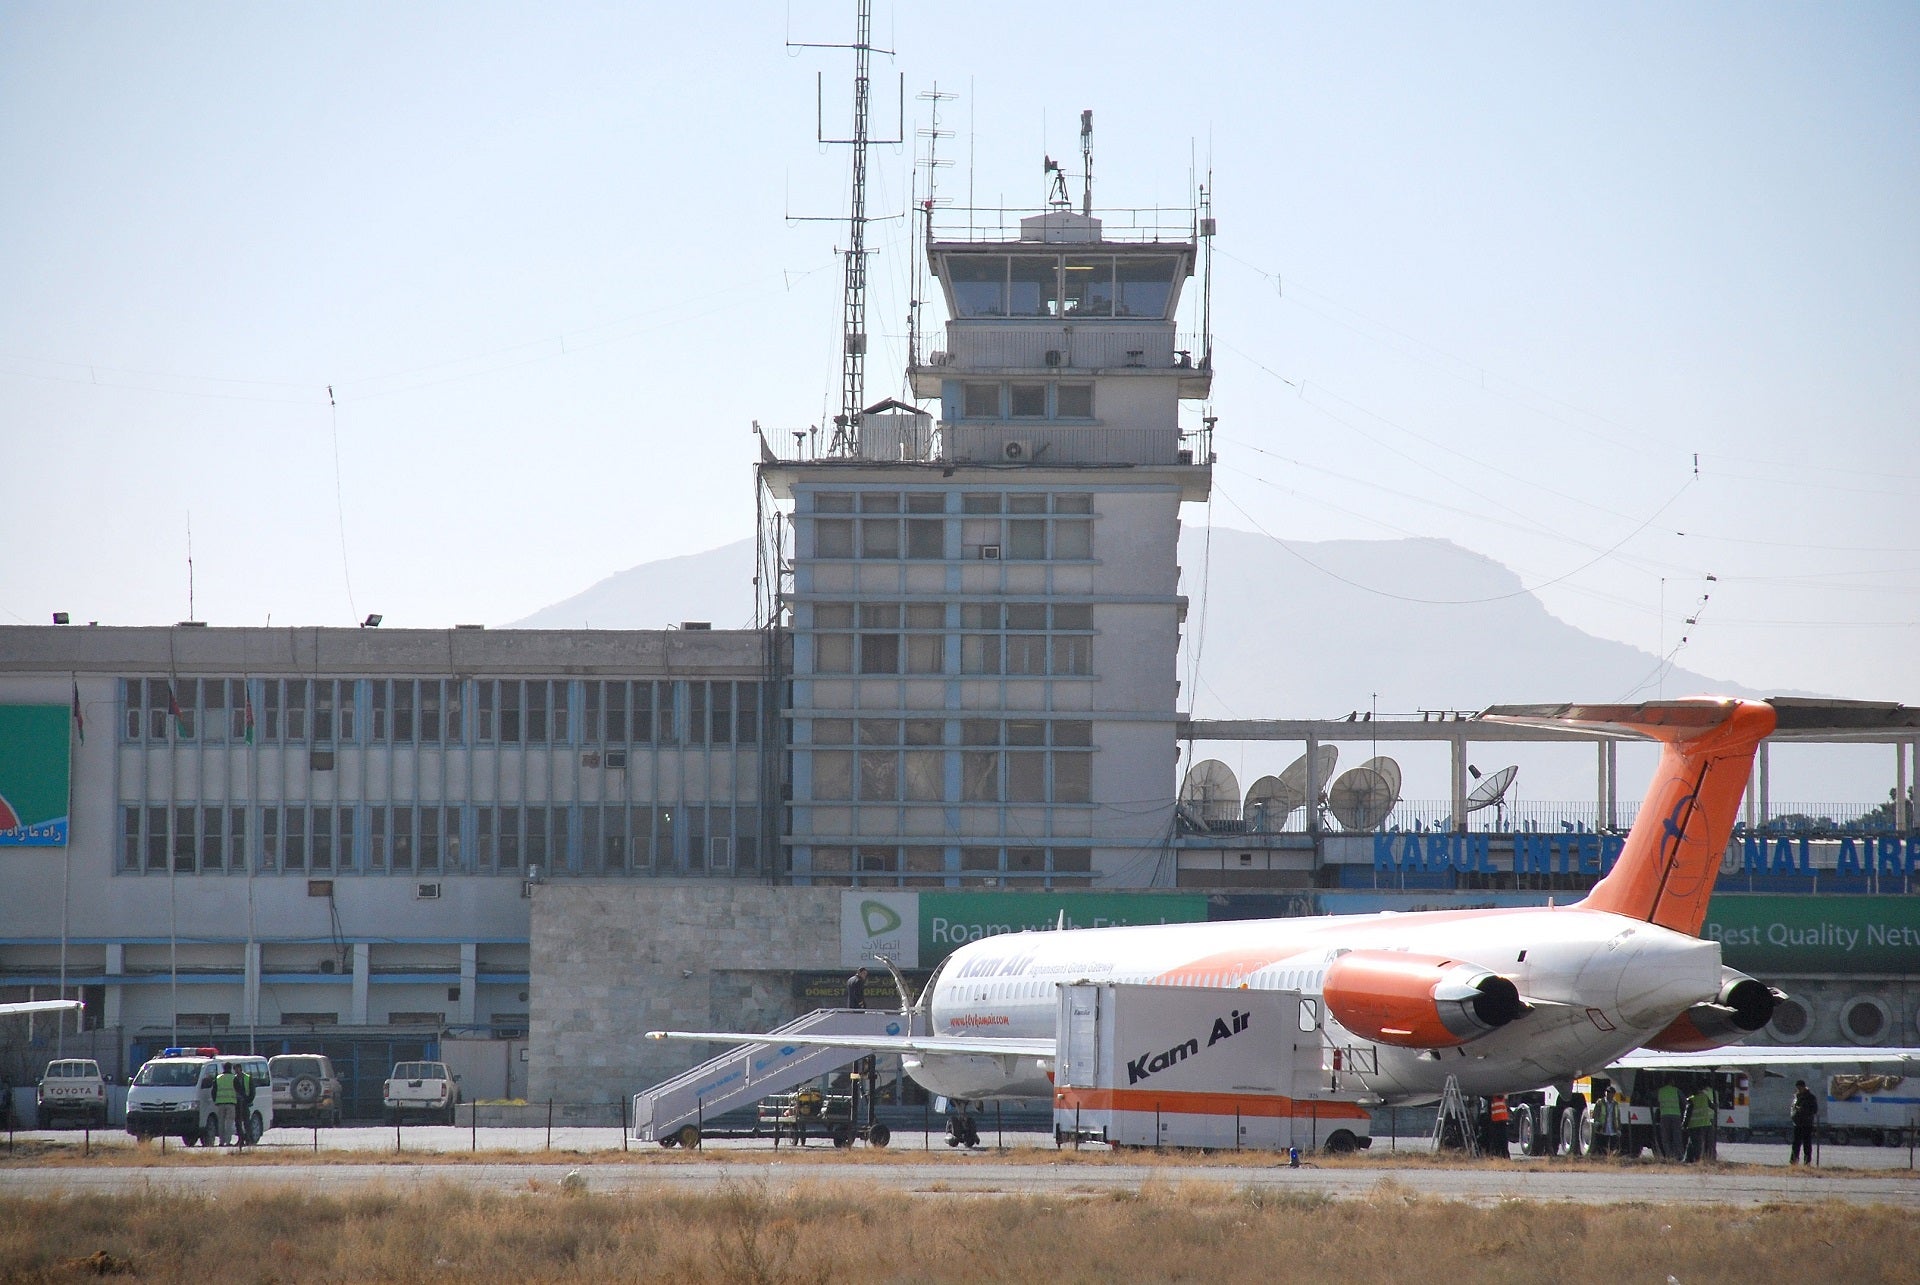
919 929
34 769
1796 934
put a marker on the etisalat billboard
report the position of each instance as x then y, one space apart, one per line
1764 934
35 771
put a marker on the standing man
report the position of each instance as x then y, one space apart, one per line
1668 1116
1806 1109
857 988
1700 1122
225 1098
243 1087
1606 1123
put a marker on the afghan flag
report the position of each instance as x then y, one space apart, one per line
247 703
79 719
173 709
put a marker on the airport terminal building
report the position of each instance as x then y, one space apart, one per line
961 715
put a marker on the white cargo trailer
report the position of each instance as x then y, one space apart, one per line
1181 1066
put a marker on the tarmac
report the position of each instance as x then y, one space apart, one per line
1755 1174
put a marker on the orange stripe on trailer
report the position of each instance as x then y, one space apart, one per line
1178 1103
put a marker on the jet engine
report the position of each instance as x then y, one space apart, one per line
1743 1006
1418 1001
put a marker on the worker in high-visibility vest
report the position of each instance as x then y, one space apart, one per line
1497 1143
1701 1114
1669 1116
1606 1123
226 1098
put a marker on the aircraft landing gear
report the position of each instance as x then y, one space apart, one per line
961 1129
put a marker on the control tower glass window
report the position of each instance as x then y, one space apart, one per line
1089 286
1144 286
1033 286
979 284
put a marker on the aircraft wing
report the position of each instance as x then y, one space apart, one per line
922 1044
41 1006
1777 1055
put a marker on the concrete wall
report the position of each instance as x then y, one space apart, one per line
613 960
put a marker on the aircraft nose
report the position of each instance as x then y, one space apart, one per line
1667 972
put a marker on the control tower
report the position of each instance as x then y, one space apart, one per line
984 600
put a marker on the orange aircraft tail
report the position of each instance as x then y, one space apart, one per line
1665 874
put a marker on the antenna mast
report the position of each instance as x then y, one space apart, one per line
853 320
1086 162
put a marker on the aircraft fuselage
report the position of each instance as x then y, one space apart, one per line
1598 984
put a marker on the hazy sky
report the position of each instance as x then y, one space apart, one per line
1496 273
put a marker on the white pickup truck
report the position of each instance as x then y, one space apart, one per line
73 1090
420 1089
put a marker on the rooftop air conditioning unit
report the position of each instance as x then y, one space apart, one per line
1053 357
1016 452
615 758
989 553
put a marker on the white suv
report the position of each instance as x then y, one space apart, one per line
73 1090
305 1087
173 1094
420 1088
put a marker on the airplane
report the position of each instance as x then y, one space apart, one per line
1502 1000
41 1006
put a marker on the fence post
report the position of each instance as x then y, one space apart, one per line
473 1127
700 1125
926 1128
86 1140
396 1132
549 1124
623 1122
999 1129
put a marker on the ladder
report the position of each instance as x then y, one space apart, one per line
748 1072
1453 1106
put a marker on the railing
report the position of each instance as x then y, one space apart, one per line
1563 817
995 223
1038 442
1065 346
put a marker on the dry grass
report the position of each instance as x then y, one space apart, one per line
828 1232
40 1154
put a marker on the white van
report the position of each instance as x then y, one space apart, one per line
173 1095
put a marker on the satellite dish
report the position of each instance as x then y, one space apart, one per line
1492 792
1363 796
1290 789
1211 792
1389 770
1264 807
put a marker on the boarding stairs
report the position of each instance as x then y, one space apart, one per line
749 1072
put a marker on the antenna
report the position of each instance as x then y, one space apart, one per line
853 321
932 164
1086 162
1211 793
1363 796
190 615
1492 793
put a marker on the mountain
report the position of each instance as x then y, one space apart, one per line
715 586
1309 629
1295 629
1306 629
